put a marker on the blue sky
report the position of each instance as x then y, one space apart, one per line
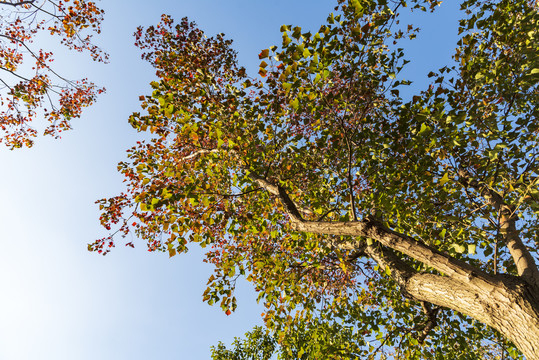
57 300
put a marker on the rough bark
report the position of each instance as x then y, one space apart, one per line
509 304
509 308
524 262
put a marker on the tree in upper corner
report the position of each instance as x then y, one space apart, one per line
30 87
372 224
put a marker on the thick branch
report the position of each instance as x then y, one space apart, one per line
401 272
505 308
424 253
387 259
503 302
526 266
500 307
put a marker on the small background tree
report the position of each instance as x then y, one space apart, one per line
30 86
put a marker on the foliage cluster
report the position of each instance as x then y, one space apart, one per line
30 86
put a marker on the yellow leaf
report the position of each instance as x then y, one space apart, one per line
171 250
444 179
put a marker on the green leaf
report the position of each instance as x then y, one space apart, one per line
171 250
331 19
357 7
286 40
424 129
294 103
459 248
169 110
442 233
287 86
444 179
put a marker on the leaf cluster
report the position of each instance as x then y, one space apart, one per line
30 86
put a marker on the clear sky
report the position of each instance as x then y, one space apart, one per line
57 300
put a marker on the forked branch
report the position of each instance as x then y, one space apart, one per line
444 263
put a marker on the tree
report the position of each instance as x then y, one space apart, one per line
257 346
30 86
371 223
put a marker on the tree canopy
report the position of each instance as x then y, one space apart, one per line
31 87
371 223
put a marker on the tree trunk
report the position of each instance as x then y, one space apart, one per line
508 306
